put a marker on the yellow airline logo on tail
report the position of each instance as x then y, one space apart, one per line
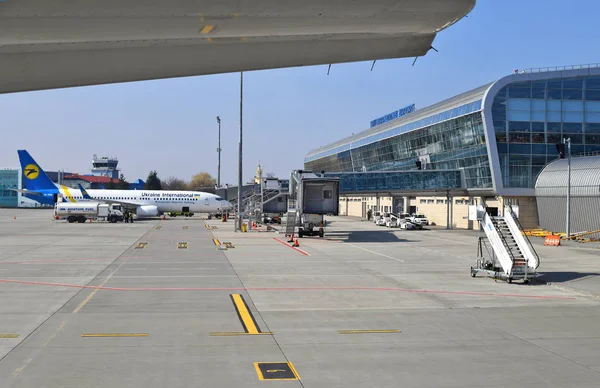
31 171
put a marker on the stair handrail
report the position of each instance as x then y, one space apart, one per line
514 216
499 248
512 257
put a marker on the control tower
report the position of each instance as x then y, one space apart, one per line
105 166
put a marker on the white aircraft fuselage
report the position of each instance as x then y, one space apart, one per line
153 202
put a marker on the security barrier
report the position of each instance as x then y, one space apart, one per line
552 241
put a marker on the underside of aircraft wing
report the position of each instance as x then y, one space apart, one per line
45 45
29 192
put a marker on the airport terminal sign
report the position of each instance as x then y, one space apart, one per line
393 115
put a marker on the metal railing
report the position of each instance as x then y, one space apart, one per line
502 237
559 68
514 216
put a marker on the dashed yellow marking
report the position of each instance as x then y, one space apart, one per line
207 29
9 336
182 245
368 331
236 333
185 227
246 317
217 242
141 245
115 335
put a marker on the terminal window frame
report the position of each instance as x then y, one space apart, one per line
327 194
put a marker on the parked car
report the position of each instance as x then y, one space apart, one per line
419 219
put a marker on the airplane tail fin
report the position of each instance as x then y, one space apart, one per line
84 193
34 178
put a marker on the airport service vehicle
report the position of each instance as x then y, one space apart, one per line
145 203
82 211
409 225
376 217
393 221
419 219
382 220
316 196
175 214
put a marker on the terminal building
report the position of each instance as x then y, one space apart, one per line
9 179
500 136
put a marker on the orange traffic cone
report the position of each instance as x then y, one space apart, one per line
296 243
163 218
14 217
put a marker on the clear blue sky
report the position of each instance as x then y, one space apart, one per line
170 125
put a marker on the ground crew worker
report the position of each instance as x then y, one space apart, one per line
369 214
126 217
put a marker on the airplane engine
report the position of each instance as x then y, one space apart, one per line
146 211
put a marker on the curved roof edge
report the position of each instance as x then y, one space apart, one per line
585 177
449 103
486 108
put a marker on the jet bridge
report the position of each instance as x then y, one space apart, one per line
413 181
312 197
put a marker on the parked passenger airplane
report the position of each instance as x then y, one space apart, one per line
147 203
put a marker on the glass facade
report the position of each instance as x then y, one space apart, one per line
9 179
403 181
452 144
529 118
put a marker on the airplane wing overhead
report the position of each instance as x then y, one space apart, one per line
53 44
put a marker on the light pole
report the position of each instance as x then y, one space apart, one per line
219 151
239 201
568 141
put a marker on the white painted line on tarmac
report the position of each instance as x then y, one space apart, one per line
450 240
186 268
376 253
175 276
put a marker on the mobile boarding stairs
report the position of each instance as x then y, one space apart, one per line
503 251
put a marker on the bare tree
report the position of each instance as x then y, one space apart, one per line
202 179
173 183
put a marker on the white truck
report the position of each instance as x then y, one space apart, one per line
82 211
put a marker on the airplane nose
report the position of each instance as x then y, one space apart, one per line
228 205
